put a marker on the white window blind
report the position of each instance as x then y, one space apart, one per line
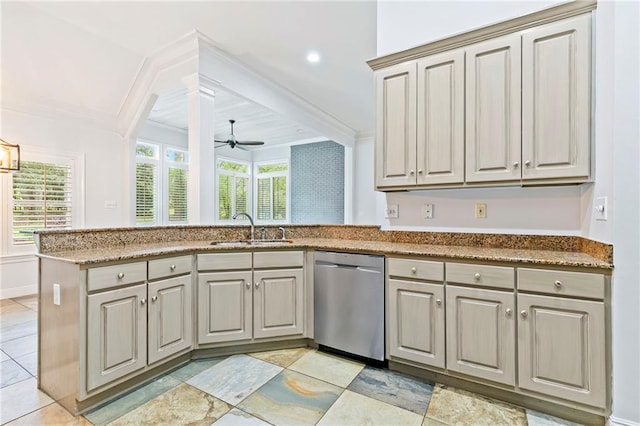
272 191
42 198
233 188
176 183
146 193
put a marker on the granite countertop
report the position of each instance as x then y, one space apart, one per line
522 256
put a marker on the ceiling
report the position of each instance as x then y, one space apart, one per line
85 55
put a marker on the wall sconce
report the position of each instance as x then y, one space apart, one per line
9 157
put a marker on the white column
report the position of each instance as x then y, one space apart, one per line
201 195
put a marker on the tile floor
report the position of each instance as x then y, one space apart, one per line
287 387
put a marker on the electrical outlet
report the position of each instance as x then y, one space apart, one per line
56 294
392 211
427 211
481 211
601 208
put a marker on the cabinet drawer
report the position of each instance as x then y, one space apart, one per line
117 275
169 267
277 259
224 261
418 269
578 284
480 275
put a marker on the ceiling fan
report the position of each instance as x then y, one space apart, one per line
233 142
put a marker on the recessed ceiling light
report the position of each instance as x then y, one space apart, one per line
313 57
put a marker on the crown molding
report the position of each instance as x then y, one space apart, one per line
551 14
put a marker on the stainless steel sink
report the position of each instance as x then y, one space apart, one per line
243 243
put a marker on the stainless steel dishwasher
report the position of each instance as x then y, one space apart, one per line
349 303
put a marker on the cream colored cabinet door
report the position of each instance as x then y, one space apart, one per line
416 322
562 347
278 303
224 306
440 131
396 126
481 328
493 139
169 317
556 100
116 334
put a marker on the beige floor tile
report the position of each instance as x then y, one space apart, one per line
29 362
9 307
179 406
283 358
11 372
22 346
457 407
52 414
20 399
330 368
30 301
355 409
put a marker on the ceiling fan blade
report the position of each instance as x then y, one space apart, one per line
250 143
219 141
221 145
241 148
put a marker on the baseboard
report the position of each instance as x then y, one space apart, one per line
10 293
614 421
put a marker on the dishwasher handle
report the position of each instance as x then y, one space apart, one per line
342 266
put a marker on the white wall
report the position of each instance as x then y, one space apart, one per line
103 154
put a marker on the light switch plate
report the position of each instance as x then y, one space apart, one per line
56 294
427 211
481 211
392 211
600 207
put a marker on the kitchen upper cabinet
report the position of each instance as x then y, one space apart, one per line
224 306
116 334
169 317
556 100
481 330
440 126
493 139
396 126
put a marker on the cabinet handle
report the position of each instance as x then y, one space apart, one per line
558 283
438 302
143 301
477 276
172 267
527 163
414 270
523 313
412 172
121 275
154 298
508 312
257 284
516 165
419 171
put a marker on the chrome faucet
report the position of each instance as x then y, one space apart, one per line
253 227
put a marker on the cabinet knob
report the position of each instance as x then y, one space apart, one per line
527 163
508 312
172 267
257 284
414 270
121 275
438 302
523 313
143 301
412 172
477 276
558 283
154 298
516 165
248 285
419 171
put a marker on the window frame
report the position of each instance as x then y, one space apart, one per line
256 176
75 161
248 175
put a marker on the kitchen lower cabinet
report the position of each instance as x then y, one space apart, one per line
416 322
116 334
278 303
224 306
481 330
169 317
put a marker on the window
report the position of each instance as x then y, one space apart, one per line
233 188
42 198
272 191
161 184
